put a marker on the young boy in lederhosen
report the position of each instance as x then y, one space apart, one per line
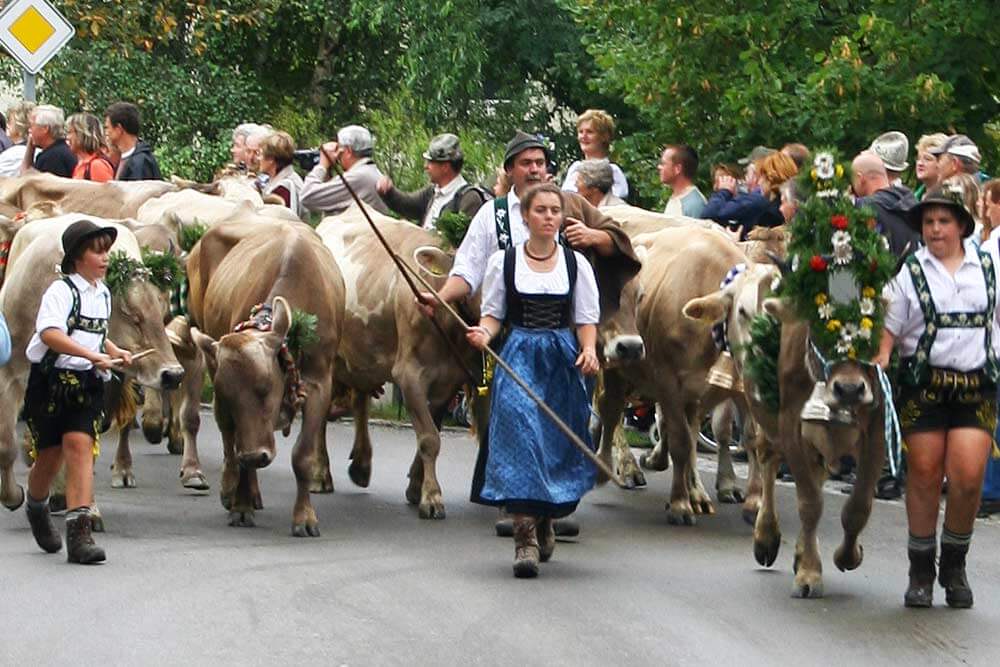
70 357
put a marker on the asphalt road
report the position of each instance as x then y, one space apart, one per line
382 587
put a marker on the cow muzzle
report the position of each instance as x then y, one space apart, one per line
170 377
624 348
257 459
849 393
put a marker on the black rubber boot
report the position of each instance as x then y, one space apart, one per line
566 527
921 590
952 577
42 528
80 547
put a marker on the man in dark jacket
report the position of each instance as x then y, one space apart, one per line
448 190
890 202
121 126
47 132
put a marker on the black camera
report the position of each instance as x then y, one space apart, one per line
306 158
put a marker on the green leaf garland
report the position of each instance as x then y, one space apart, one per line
302 331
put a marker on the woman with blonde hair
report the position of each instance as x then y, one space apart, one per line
927 166
761 207
594 131
17 129
85 136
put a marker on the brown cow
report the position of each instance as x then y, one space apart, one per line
32 270
810 448
114 199
285 267
387 339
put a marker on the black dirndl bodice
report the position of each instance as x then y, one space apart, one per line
539 311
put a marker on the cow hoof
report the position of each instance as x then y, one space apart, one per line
680 514
57 503
504 527
808 588
730 496
175 446
361 475
258 501
845 561
702 506
16 505
566 527
305 530
413 494
750 516
765 552
632 477
433 510
243 519
122 480
649 463
195 481
226 499
322 484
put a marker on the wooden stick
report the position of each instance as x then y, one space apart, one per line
549 412
136 357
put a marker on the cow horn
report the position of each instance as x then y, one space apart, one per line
784 266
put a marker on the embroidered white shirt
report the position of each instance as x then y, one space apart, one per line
441 198
57 302
965 291
586 301
481 240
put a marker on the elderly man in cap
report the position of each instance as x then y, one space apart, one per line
892 148
448 190
500 224
325 193
956 156
870 182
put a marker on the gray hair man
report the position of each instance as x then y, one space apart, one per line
594 182
958 155
236 150
448 190
47 132
892 148
326 193
251 147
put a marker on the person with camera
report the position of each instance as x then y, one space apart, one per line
276 154
448 190
324 191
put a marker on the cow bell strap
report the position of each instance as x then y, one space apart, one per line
261 319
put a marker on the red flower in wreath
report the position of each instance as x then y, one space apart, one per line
839 221
817 263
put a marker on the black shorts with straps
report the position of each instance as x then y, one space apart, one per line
62 401
951 399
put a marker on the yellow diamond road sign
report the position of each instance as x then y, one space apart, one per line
33 31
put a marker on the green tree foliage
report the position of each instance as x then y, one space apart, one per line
726 75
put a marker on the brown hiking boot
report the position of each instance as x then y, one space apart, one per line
80 547
952 577
921 590
546 539
525 547
45 533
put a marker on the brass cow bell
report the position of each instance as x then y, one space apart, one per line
816 409
723 373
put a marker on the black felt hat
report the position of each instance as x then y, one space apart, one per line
947 196
76 235
521 142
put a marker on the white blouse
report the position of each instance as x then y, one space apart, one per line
965 291
586 301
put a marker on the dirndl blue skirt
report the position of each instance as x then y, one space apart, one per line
527 464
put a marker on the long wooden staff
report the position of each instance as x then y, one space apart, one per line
549 412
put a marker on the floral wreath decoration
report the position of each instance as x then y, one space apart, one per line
162 269
839 264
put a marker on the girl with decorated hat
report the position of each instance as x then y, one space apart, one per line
941 313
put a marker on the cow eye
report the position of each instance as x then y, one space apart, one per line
744 315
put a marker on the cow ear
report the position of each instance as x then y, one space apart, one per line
711 309
778 309
281 318
208 346
433 262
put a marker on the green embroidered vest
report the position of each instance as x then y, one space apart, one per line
915 369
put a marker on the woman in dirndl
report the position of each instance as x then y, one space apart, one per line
941 315
539 292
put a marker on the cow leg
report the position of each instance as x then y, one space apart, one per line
423 471
321 479
306 452
188 419
858 507
152 416
235 492
808 567
726 488
659 458
122 476
171 413
614 450
753 441
360 470
676 439
701 502
12 494
766 531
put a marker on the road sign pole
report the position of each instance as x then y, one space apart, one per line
29 86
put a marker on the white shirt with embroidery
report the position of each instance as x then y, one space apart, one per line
964 292
481 240
586 301
57 303
440 199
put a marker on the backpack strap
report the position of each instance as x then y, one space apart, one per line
455 205
48 361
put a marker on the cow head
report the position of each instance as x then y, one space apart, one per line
249 384
137 324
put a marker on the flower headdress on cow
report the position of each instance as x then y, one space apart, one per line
839 263
162 269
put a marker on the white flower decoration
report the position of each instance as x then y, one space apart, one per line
826 311
843 252
849 331
866 334
867 306
843 346
795 263
824 166
831 193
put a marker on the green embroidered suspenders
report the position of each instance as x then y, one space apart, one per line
77 322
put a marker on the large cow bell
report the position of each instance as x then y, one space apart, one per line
817 408
723 373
